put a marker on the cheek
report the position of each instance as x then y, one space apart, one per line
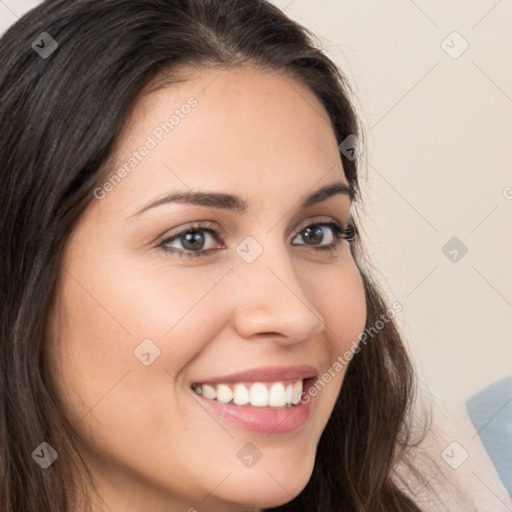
112 312
342 303
340 298
177 308
128 302
116 315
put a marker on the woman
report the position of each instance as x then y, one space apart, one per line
187 321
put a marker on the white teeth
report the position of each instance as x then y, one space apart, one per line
259 395
296 392
276 394
209 392
241 395
224 394
289 393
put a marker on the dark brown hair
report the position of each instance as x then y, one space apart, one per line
60 118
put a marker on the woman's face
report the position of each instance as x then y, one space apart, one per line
144 322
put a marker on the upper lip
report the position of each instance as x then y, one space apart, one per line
266 374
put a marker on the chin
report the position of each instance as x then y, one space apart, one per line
269 486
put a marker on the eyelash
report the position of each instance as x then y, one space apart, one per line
346 232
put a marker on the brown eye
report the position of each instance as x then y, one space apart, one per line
316 236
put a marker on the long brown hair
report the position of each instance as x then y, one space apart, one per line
60 115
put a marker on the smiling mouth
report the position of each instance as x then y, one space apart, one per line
277 394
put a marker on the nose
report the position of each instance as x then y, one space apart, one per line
271 301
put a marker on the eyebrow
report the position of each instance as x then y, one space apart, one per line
234 203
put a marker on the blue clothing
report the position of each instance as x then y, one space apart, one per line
490 411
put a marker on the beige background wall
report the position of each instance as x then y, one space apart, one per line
439 159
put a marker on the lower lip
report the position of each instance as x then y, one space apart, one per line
264 420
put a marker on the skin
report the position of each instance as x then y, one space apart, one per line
149 443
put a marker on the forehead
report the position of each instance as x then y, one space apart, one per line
232 130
